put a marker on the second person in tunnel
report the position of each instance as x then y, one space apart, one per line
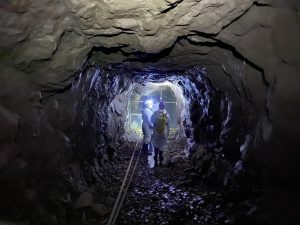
147 126
161 129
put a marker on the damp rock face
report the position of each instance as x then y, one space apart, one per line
42 36
243 103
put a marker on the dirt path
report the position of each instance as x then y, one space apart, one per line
155 199
175 194
171 195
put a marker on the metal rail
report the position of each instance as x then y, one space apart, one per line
124 187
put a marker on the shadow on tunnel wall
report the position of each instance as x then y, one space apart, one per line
58 139
230 132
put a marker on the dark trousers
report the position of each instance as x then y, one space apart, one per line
158 153
145 148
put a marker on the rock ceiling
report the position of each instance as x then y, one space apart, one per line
51 39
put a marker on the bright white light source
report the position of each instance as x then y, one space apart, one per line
149 103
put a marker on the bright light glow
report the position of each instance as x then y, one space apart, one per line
149 103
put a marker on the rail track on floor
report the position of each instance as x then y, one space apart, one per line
125 183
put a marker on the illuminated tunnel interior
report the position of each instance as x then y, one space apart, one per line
74 79
154 92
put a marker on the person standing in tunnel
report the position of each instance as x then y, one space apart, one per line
161 123
147 126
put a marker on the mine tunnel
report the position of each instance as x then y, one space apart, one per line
75 75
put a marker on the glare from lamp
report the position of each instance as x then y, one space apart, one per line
149 103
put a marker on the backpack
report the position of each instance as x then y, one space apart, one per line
160 122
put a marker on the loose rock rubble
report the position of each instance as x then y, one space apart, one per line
172 194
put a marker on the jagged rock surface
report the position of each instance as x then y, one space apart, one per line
249 50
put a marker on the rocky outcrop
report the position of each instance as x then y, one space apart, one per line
249 51
69 29
43 40
58 37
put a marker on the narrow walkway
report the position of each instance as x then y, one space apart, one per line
175 194
154 199
171 195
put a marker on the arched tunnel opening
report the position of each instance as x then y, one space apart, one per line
153 93
209 141
74 80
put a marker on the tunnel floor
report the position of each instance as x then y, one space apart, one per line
173 194
168 194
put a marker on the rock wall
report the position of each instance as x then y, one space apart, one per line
32 149
216 120
52 141
250 51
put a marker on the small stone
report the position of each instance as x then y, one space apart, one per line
201 202
84 200
252 210
100 209
227 221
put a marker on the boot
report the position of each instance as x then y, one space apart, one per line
145 148
161 158
156 150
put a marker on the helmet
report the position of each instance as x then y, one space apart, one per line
148 103
162 105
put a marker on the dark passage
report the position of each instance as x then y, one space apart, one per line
74 76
